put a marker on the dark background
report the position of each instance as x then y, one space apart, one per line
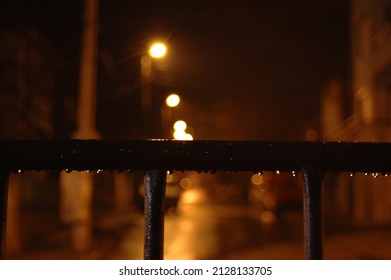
244 69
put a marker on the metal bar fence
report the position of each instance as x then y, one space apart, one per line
156 157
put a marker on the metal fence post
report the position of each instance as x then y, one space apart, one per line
155 189
313 221
3 210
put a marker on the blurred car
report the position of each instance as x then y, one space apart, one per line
275 192
173 192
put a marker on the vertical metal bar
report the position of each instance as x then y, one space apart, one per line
313 220
155 189
3 210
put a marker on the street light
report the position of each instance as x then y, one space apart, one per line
180 125
173 100
155 51
180 131
166 112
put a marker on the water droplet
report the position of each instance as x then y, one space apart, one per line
278 172
68 170
20 171
294 173
374 175
366 173
99 171
260 173
351 174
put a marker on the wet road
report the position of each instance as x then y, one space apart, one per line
216 231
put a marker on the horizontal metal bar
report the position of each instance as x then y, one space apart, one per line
195 155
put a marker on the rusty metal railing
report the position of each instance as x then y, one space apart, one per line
156 157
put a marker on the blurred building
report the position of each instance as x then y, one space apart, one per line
27 66
26 84
363 199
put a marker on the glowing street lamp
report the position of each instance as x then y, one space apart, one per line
180 131
166 112
173 100
157 50
180 125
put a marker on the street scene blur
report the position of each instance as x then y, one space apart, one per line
282 70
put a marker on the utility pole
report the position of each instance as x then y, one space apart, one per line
86 114
77 187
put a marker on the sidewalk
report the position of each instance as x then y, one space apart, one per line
370 244
367 244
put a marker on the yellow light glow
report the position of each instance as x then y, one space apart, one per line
257 179
188 137
192 196
173 100
180 126
182 135
157 50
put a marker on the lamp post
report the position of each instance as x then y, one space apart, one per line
76 188
156 51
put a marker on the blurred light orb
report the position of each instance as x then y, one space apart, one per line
182 135
173 100
157 50
257 179
180 126
186 183
188 137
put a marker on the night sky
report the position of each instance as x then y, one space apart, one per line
245 69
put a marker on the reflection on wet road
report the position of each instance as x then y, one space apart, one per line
208 231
